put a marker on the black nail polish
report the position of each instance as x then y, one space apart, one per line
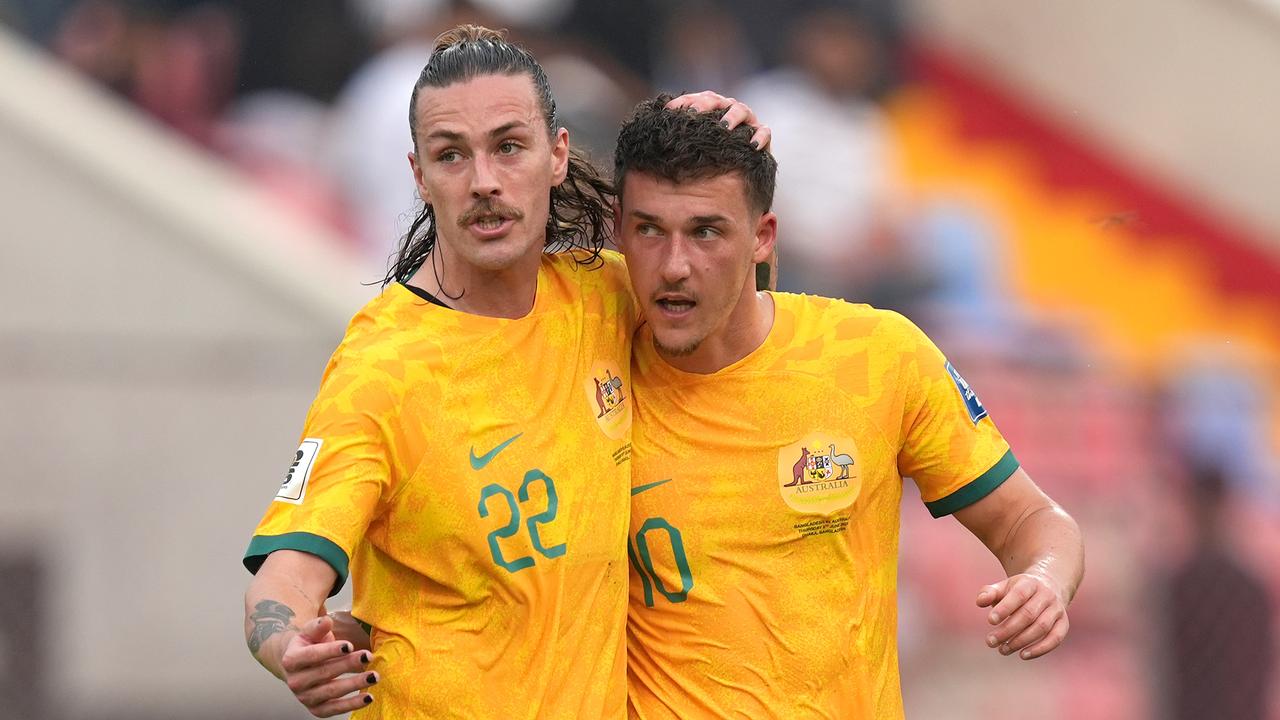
346 648
724 124
372 679
755 145
368 699
365 658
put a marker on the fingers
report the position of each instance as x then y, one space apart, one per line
735 113
1020 618
1035 631
300 655
335 692
1029 617
316 630
310 677
341 705
991 594
1019 589
762 138
1050 642
344 705
701 101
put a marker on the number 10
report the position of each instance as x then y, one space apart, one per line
642 561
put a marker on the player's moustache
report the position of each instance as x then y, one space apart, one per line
677 289
489 207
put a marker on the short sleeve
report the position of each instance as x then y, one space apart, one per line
339 473
950 446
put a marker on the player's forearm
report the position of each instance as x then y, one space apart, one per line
286 593
1046 542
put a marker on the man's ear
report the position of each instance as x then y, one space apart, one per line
559 157
766 237
417 178
765 253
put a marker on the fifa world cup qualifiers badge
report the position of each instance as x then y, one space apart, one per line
294 487
971 401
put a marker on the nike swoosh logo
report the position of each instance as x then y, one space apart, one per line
641 488
478 463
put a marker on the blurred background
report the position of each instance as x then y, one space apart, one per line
1078 201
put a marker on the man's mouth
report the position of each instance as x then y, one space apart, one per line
489 222
675 305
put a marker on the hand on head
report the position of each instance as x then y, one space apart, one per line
735 113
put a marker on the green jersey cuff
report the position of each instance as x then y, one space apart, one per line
263 545
979 488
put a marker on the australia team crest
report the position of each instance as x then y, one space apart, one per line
820 473
609 398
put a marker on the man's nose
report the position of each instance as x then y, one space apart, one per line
675 262
484 178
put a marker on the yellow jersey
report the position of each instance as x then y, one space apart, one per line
765 513
473 474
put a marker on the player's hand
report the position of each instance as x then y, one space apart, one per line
346 627
736 113
1029 615
318 668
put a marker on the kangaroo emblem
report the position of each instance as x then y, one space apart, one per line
797 470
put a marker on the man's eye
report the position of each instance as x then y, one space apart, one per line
508 148
647 229
706 232
449 156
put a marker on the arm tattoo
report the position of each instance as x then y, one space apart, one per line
269 617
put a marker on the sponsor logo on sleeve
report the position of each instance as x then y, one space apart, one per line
971 401
294 487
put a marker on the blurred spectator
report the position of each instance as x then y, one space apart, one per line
307 46
369 135
179 65
1220 624
836 199
1218 411
953 263
703 46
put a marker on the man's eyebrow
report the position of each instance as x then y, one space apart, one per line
444 135
504 129
645 216
708 219
452 136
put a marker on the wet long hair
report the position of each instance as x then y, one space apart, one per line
581 206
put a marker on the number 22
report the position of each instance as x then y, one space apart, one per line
532 523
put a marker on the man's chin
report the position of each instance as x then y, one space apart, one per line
677 348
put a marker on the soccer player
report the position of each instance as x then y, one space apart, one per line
467 458
772 433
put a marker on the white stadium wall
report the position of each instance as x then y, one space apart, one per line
162 331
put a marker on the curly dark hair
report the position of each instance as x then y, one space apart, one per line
682 145
581 206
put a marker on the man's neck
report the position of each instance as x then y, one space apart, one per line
507 293
746 329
